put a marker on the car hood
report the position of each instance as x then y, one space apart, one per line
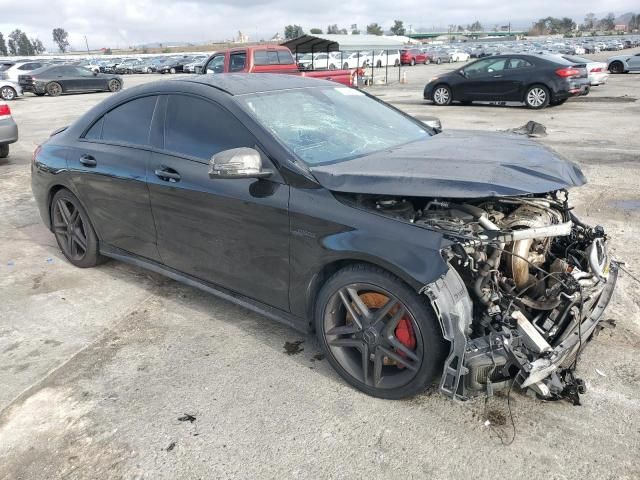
455 164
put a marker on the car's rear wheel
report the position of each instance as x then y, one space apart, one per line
345 66
114 85
8 93
616 67
438 61
4 150
378 333
73 231
442 95
332 66
396 63
537 97
172 70
54 89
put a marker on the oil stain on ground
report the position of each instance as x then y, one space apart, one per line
293 348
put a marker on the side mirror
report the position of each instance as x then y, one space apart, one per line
237 163
432 122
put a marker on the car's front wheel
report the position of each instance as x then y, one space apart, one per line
73 230
4 150
442 95
8 93
378 333
537 97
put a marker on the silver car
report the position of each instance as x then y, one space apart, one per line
9 90
8 130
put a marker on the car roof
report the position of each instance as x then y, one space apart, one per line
247 83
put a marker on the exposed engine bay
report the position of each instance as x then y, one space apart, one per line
527 287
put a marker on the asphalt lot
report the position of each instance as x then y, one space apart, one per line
97 366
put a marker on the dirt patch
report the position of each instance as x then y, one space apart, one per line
496 417
293 348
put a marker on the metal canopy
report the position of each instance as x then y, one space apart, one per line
335 43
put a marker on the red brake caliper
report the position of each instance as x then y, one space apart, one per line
404 333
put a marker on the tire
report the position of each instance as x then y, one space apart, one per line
54 89
537 97
396 63
438 61
378 64
345 66
427 61
413 62
8 93
73 231
332 67
616 67
172 70
442 95
4 150
403 338
114 85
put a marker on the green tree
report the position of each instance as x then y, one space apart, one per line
60 37
293 31
316 31
3 46
608 23
19 43
590 22
374 29
355 31
332 29
37 46
398 28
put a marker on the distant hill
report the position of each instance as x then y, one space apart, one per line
624 19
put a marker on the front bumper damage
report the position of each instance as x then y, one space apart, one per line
515 355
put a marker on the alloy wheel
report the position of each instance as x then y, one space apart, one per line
7 93
70 229
373 336
536 97
441 96
114 85
54 89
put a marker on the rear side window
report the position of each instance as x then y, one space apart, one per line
197 128
519 63
238 62
285 57
129 123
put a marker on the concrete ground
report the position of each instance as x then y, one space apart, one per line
99 367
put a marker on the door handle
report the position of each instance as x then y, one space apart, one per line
168 175
88 161
497 76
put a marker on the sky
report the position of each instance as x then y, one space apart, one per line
123 23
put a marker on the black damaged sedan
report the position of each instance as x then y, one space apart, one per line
416 257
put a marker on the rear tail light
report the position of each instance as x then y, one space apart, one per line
596 69
5 111
567 72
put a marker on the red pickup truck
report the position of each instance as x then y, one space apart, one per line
269 59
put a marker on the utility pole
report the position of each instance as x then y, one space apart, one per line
87 44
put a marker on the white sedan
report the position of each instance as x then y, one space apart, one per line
598 73
459 56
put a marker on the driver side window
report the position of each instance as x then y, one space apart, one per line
486 66
216 65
